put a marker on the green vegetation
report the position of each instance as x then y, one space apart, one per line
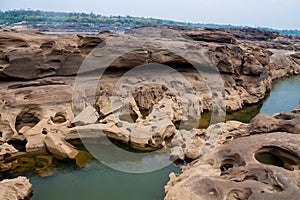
49 21
37 16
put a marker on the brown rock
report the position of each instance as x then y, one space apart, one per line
7 149
240 165
289 122
88 43
51 55
32 108
253 34
15 189
43 55
251 66
263 123
296 110
254 167
88 116
212 35
56 144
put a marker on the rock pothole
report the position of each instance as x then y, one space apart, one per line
20 145
29 117
59 118
272 155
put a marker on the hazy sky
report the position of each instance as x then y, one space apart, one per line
283 14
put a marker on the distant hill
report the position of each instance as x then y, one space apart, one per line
83 22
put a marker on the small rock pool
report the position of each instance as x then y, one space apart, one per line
97 181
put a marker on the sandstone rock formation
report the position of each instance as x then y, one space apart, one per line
38 71
287 122
256 161
254 167
15 189
190 145
40 113
56 144
43 55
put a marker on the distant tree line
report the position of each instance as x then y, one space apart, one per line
48 17
17 16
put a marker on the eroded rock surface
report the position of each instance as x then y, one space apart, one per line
287 122
37 80
256 161
38 71
190 145
254 167
15 189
